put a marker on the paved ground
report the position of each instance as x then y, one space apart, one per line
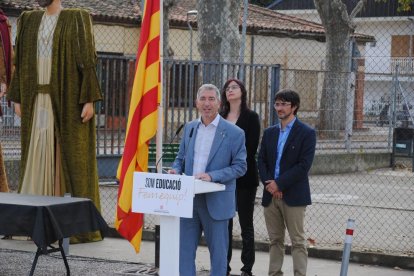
116 257
381 201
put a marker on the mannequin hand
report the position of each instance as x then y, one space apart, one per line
17 109
3 89
87 112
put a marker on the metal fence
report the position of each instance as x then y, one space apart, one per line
377 199
352 174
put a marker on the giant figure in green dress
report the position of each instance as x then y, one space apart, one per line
54 88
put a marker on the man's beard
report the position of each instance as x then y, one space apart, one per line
284 115
44 3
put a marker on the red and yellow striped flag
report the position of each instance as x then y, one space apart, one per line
142 122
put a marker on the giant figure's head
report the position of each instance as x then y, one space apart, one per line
44 3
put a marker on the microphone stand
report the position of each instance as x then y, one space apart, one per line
169 145
185 151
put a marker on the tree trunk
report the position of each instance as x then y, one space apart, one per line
167 4
219 36
338 28
335 86
218 25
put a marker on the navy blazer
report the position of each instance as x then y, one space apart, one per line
295 163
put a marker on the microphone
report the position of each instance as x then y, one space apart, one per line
169 144
191 132
177 132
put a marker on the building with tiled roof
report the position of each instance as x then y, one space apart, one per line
274 40
103 11
117 24
260 20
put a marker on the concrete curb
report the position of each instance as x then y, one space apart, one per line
370 258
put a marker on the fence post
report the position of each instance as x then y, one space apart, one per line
347 247
157 246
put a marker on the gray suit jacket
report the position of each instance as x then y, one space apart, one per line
226 163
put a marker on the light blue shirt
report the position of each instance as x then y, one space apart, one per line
203 143
283 135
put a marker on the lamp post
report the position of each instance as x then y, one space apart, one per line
191 13
191 65
243 40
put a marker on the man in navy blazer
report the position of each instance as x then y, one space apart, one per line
285 158
212 149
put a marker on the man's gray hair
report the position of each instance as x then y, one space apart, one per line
209 86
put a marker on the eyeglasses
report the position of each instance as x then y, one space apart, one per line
233 87
283 104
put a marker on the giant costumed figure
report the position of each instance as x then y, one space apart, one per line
5 75
54 88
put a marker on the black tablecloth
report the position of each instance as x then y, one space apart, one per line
47 219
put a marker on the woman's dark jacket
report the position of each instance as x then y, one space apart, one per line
250 123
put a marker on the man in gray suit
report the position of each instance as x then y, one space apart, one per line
212 149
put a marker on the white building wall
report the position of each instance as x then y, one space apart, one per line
378 55
116 39
301 54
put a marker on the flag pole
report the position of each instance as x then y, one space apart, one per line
142 123
169 225
160 129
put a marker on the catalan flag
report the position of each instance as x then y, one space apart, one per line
142 122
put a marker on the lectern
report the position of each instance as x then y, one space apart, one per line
170 196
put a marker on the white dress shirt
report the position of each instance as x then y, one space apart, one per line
203 143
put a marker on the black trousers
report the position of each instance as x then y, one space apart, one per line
245 199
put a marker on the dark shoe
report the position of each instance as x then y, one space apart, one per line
245 273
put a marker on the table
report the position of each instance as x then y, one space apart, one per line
47 219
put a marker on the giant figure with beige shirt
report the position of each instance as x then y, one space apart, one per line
54 88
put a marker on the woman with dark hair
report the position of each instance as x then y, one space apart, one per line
234 109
